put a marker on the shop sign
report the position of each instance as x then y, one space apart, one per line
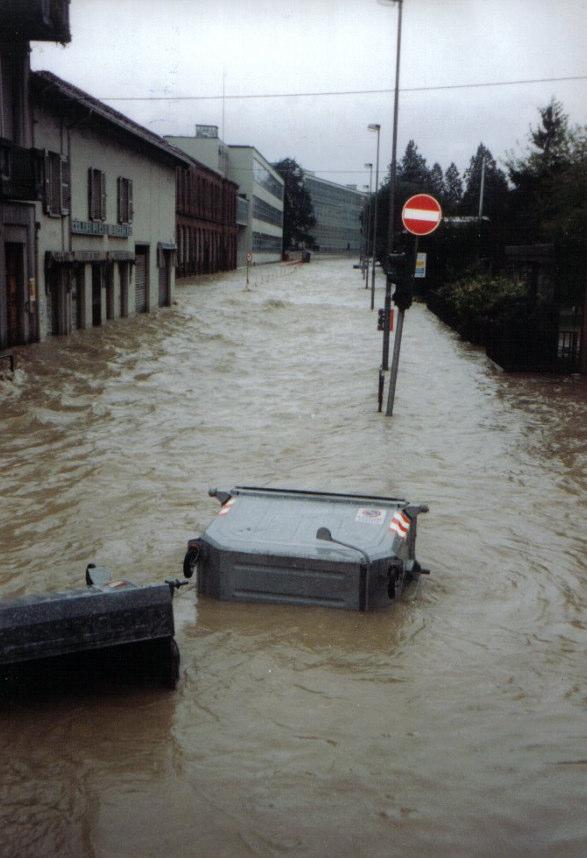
91 227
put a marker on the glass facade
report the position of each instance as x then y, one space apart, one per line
268 181
263 243
263 211
338 215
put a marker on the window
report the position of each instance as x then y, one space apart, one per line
57 184
263 211
267 180
125 207
263 243
96 194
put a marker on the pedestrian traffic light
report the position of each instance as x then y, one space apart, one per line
381 319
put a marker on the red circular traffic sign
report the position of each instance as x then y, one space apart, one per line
421 214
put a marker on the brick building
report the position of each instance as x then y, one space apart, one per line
206 221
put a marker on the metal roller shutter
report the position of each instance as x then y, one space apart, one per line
141 280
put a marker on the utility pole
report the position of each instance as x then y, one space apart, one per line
365 267
391 221
377 129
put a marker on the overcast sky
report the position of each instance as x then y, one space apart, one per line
171 48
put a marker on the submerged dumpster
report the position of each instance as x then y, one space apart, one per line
306 548
107 616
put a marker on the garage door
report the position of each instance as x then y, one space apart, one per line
164 284
141 279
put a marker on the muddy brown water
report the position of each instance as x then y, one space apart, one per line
451 724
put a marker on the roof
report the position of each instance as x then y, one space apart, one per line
312 177
34 20
52 90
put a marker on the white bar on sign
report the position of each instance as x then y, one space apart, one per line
421 214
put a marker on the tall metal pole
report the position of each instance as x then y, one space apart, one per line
398 340
392 183
365 271
482 188
376 128
391 228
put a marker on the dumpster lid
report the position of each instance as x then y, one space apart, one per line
284 522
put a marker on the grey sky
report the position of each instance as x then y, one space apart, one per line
194 47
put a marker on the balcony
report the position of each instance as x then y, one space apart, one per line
18 173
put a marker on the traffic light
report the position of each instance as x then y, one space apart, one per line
395 266
381 319
397 272
402 297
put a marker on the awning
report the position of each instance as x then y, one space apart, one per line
71 257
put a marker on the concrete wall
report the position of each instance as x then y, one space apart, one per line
209 151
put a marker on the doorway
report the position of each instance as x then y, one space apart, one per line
97 279
14 256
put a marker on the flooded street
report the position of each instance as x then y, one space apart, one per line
451 724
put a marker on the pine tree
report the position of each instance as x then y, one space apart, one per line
413 169
298 213
453 189
548 201
552 137
495 189
436 183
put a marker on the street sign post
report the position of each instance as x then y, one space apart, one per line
421 215
249 263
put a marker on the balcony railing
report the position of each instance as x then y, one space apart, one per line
18 172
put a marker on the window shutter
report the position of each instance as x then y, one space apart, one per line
46 182
65 186
131 210
90 194
102 195
119 205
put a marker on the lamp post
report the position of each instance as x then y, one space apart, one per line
391 222
377 129
365 266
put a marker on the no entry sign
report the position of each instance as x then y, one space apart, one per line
421 214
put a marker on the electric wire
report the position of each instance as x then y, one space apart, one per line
478 85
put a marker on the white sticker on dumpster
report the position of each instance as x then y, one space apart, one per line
370 516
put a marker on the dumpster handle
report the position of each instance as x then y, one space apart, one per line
326 535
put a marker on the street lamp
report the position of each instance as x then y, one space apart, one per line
365 267
391 224
392 177
377 129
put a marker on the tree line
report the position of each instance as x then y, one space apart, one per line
538 198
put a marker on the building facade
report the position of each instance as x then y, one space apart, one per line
259 205
263 189
337 209
20 165
87 197
206 221
106 243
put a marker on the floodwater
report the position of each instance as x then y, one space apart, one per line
451 724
